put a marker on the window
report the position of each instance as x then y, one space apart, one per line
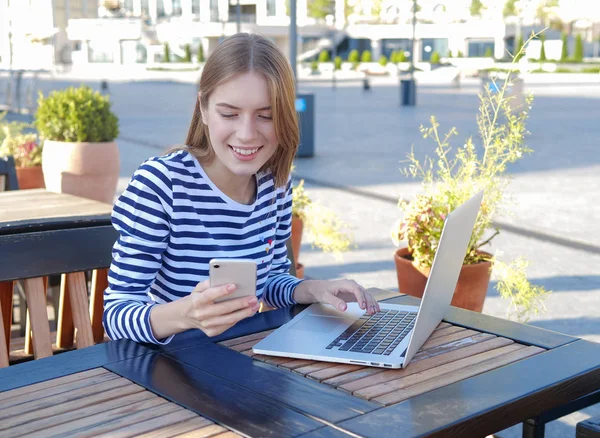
271 8
176 8
214 11
481 48
196 7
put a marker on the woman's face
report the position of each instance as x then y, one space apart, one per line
240 124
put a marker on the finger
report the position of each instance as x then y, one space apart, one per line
372 302
229 306
210 294
202 286
230 318
357 292
335 301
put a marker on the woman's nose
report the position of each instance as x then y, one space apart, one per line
247 130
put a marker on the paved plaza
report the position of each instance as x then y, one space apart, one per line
361 137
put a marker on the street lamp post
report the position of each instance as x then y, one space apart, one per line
238 14
293 38
408 87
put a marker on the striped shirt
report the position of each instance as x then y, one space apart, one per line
172 220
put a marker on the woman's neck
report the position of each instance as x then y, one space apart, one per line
241 189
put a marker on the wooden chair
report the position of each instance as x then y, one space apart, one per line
8 181
31 257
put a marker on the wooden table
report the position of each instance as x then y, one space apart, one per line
49 233
476 375
39 209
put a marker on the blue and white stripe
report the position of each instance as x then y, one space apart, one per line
172 220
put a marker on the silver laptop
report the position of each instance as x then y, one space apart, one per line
391 337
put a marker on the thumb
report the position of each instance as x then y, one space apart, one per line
202 286
335 301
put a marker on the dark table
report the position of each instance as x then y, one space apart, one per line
254 398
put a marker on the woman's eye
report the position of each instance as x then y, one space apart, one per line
262 116
228 116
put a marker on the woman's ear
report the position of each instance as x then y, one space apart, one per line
202 111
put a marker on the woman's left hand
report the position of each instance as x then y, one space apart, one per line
337 293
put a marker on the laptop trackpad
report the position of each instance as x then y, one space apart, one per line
319 324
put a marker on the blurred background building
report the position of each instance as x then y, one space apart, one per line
48 33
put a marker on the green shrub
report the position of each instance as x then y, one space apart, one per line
543 49
188 53
488 53
564 54
400 56
353 56
435 58
76 115
383 60
591 70
520 44
314 67
578 56
563 70
200 55
365 56
460 54
324 56
337 62
167 53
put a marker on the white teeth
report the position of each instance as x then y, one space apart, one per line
245 151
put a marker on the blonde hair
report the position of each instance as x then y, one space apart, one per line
238 54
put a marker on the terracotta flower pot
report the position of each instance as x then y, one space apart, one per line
471 288
30 177
89 170
297 226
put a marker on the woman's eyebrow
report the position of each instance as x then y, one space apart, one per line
226 105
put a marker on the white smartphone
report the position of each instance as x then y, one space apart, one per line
241 272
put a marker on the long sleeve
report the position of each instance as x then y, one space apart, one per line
280 284
141 215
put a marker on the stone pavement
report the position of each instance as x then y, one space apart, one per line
361 137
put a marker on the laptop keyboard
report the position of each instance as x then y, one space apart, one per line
376 334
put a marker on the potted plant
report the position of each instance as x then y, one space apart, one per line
80 155
449 179
27 153
322 227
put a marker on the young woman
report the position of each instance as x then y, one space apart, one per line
227 194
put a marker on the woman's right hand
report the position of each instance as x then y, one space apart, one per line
214 318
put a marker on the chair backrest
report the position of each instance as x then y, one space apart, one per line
8 174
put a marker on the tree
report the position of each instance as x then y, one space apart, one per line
489 53
167 53
578 56
200 53
510 9
188 53
320 8
519 48
435 58
564 54
324 56
476 8
365 56
353 56
337 62
543 49
544 10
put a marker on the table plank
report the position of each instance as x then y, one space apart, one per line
63 387
28 373
125 429
493 400
19 207
216 396
193 424
51 383
425 364
90 407
207 431
524 334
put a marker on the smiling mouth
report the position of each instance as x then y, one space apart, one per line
246 152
